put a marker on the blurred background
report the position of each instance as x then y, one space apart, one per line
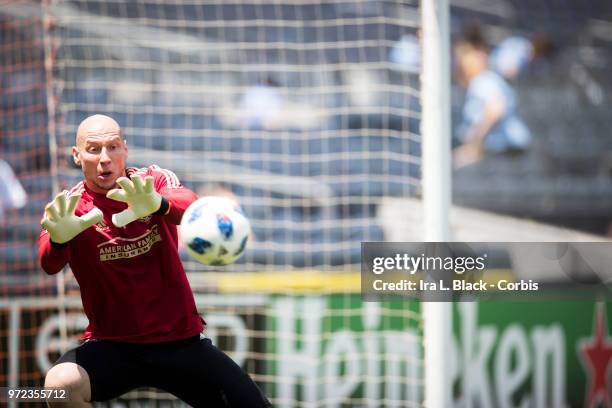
308 113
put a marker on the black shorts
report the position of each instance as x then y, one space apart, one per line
192 369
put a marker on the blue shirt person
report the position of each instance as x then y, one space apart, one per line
490 123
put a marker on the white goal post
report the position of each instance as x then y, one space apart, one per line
436 184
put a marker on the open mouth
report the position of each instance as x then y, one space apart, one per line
105 175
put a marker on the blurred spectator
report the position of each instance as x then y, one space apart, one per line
12 194
490 122
406 54
262 105
514 54
217 190
265 106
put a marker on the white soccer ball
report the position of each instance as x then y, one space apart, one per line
215 230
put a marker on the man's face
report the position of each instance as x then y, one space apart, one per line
471 61
101 152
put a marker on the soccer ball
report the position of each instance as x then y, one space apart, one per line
215 230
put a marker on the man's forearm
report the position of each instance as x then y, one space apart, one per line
52 257
477 134
178 199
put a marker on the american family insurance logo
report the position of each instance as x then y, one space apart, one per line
119 248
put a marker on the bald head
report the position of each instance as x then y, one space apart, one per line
97 125
100 151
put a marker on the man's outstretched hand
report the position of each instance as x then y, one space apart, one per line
61 223
140 196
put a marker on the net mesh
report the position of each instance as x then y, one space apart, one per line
24 158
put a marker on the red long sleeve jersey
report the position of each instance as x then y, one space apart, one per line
133 285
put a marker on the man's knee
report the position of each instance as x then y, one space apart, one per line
70 377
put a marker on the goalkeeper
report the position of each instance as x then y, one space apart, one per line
117 231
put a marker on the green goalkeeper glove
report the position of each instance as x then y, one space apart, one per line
141 198
61 223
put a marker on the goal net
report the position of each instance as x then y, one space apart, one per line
306 112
